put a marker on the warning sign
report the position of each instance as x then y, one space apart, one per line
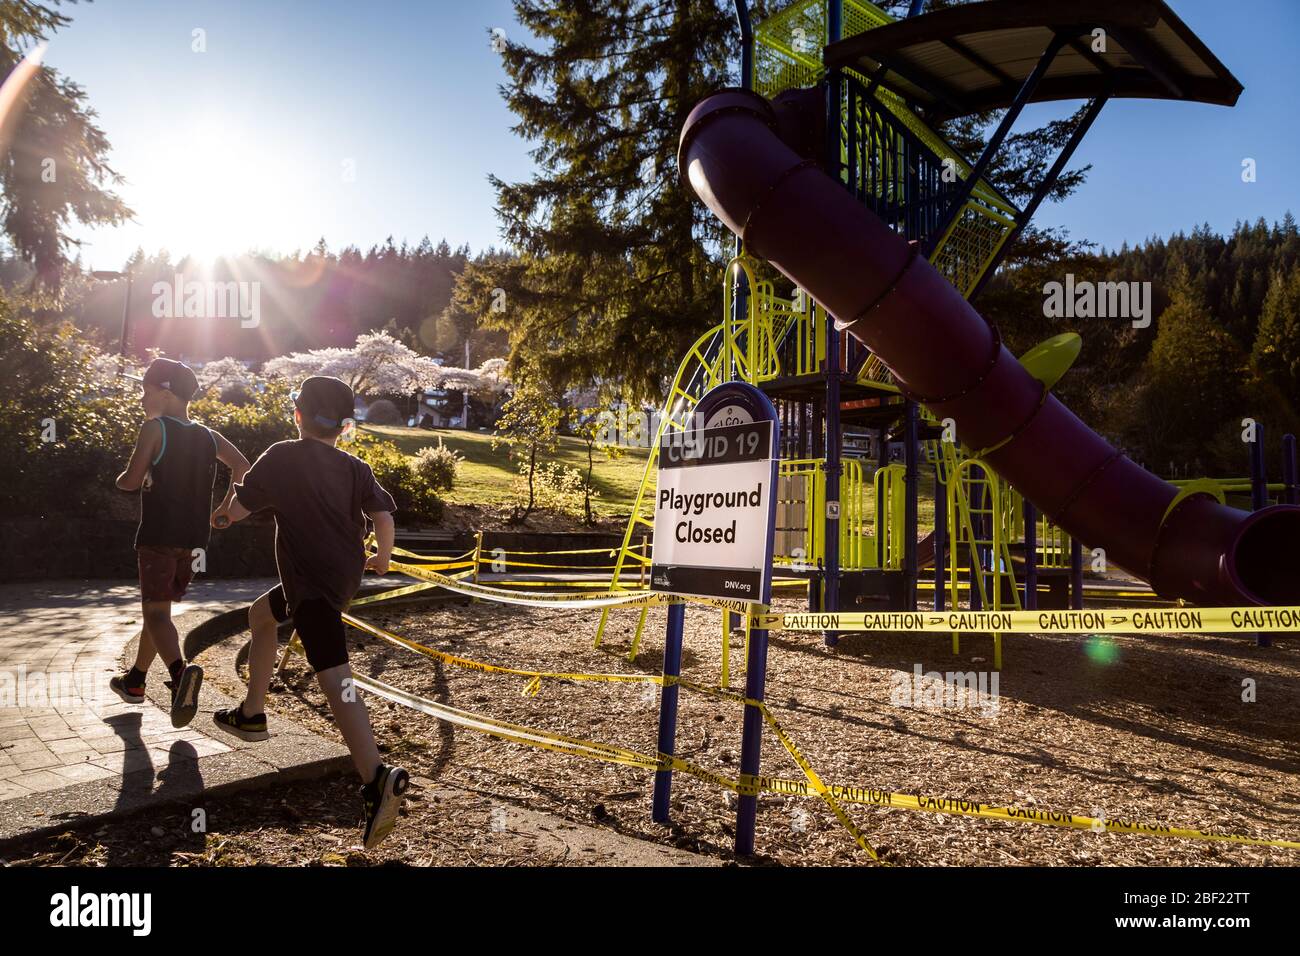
713 512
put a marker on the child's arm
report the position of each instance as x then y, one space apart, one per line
234 459
228 512
251 489
146 449
384 533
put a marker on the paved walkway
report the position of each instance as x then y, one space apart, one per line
71 748
59 722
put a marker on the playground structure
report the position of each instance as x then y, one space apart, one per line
838 183
890 251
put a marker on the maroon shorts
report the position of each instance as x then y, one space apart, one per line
164 572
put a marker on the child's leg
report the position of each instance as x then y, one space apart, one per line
146 652
261 655
352 719
322 631
161 632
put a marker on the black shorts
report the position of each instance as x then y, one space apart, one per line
319 625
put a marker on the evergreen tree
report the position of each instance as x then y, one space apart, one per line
53 158
1276 353
618 266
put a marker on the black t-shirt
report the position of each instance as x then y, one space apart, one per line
176 508
318 494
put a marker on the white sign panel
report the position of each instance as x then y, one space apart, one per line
712 512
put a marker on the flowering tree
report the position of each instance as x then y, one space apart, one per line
225 374
487 381
378 364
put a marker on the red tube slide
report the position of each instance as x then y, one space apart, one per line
751 164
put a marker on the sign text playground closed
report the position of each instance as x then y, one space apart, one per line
712 508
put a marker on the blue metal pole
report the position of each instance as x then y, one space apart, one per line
668 708
832 417
940 539
751 741
746 44
740 300
1258 475
1031 556
976 551
911 482
1259 497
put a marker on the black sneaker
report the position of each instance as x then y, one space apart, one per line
245 728
131 693
185 695
382 799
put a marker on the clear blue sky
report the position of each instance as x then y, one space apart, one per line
252 143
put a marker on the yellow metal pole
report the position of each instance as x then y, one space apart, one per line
726 649
636 640
478 557
294 641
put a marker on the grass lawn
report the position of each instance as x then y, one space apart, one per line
486 473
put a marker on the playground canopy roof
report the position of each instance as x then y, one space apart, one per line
976 57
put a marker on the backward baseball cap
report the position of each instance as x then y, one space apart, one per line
176 377
327 400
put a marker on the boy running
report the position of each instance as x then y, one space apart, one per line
173 466
321 497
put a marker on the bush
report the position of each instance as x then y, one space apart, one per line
556 487
438 466
384 412
67 423
253 427
415 499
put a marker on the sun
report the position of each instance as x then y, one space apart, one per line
214 189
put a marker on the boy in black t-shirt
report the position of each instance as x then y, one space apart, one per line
321 497
173 467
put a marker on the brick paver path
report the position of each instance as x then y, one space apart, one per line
60 643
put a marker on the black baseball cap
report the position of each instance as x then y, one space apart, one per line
177 377
327 400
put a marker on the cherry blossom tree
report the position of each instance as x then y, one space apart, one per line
487 381
377 365
225 374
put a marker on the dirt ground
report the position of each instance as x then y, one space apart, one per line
1151 729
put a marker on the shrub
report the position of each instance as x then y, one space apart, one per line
67 424
438 465
556 487
384 412
416 501
253 427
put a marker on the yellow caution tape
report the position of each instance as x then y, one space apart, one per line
574 599
1133 621
610 552
970 808
414 555
833 794
1207 620
495 562
396 592
604 599
535 677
